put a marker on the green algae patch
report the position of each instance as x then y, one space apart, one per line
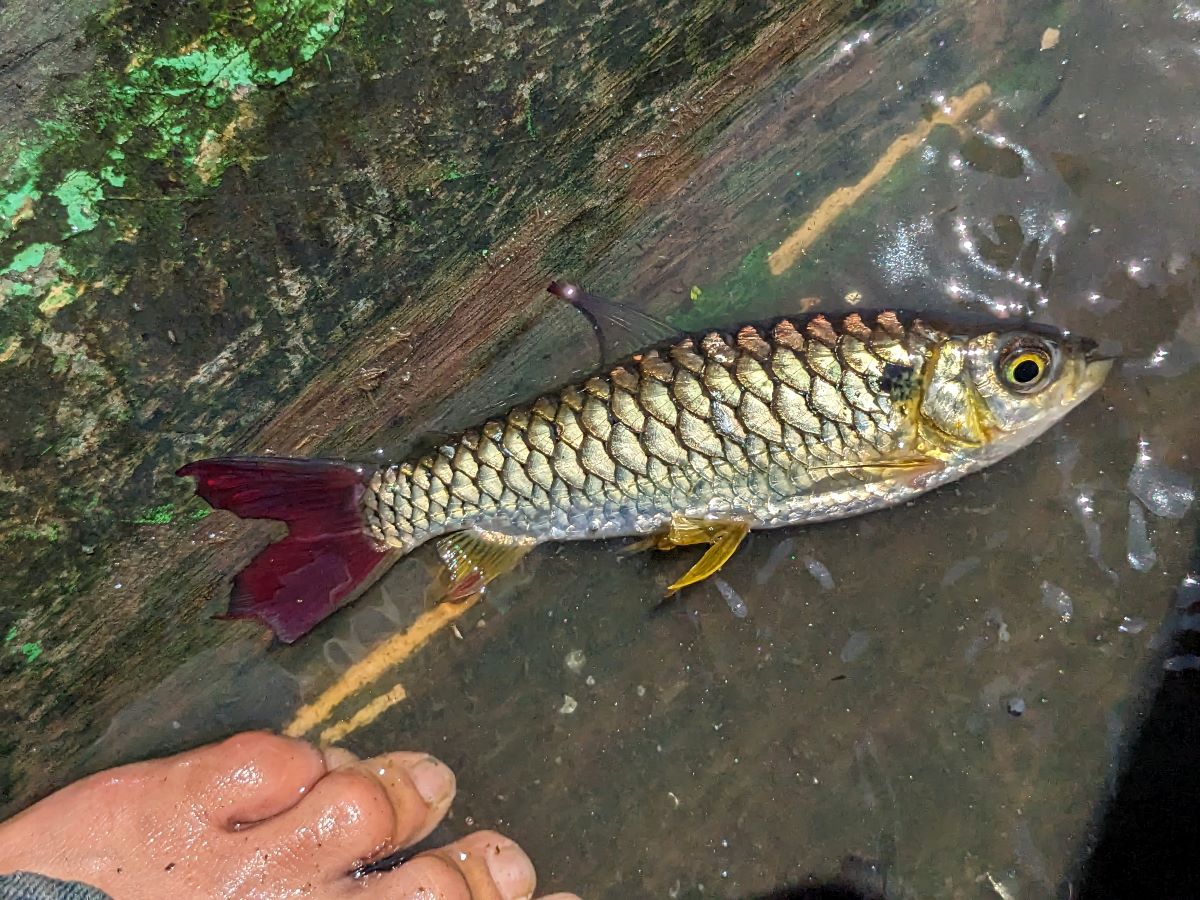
165 514
31 650
80 193
48 532
743 292
30 257
36 280
180 97
133 133
18 189
156 515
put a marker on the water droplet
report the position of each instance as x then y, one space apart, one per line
1180 663
819 571
855 646
959 569
1139 550
1132 624
1164 492
733 599
1057 601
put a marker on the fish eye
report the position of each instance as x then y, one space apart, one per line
1025 367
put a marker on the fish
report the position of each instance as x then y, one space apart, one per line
695 440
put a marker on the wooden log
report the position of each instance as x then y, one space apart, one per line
330 231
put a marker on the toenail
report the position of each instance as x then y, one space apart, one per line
511 870
336 757
433 780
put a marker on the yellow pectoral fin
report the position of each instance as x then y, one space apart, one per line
725 535
475 558
912 469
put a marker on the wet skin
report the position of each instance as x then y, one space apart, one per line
262 816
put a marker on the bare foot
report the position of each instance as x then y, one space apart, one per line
261 816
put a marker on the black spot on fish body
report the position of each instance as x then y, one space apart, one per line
899 382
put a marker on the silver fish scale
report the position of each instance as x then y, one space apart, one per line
753 424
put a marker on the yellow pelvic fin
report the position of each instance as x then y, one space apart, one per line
656 541
725 535
475 558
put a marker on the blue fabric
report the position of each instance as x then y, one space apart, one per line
28 886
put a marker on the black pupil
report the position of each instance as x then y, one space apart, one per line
1026 371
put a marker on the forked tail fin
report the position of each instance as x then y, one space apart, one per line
327 555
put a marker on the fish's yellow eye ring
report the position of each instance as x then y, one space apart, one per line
1025 368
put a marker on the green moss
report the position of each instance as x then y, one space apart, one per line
139 124
79 193
166 513
27 258
32 650
20 186
451 172
156 515
50 531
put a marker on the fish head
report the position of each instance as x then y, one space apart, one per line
990 393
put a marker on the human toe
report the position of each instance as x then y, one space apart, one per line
419 787
482 866
359 812
249 777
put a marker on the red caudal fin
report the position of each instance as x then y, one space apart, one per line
327 555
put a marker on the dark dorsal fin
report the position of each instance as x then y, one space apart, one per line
607 317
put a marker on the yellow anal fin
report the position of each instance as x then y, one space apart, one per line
473 559
725 535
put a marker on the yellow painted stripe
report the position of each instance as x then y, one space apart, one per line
364 716
391 653
843 198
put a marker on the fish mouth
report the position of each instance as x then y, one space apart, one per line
1096 364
